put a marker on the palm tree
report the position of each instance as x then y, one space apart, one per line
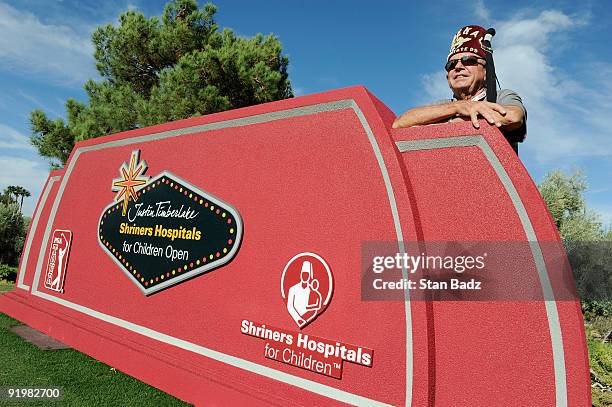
22 192
9 192
13 192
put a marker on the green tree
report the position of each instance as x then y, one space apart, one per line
160 69
9 194
13 192
587 244
21 193
564 197
12 233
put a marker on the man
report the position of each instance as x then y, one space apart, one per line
471 77
298 301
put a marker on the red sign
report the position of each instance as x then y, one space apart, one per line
58 259
325 174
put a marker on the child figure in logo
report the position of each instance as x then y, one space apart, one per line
304 298
314 300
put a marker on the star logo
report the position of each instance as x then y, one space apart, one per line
131 180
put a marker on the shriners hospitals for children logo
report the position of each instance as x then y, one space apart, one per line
306 287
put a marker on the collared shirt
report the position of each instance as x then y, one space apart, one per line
482 95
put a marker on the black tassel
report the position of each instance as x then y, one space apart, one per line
491 78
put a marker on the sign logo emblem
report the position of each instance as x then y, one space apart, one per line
58 260
131 180
306 287
161 230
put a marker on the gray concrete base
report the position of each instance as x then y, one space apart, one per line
38 339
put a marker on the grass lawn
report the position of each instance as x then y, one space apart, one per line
6 286
85 381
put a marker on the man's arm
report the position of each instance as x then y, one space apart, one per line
504 117
425 115
517 114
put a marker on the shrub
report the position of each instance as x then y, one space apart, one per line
8 273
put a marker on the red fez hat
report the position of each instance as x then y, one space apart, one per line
470 39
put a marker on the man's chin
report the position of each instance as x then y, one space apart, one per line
461 83
460 90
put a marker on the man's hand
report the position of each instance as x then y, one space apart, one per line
491 112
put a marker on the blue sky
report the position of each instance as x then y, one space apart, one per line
556 55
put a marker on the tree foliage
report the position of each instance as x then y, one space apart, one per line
563 195
13 229
160 69
14 193
588 245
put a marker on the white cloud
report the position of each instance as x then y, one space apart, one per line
563 111
567 116
29 174
534 31
482 12
436 87
50 51
11 139
38 103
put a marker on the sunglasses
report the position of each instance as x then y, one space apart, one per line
467 60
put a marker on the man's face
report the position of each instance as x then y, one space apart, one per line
466 79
